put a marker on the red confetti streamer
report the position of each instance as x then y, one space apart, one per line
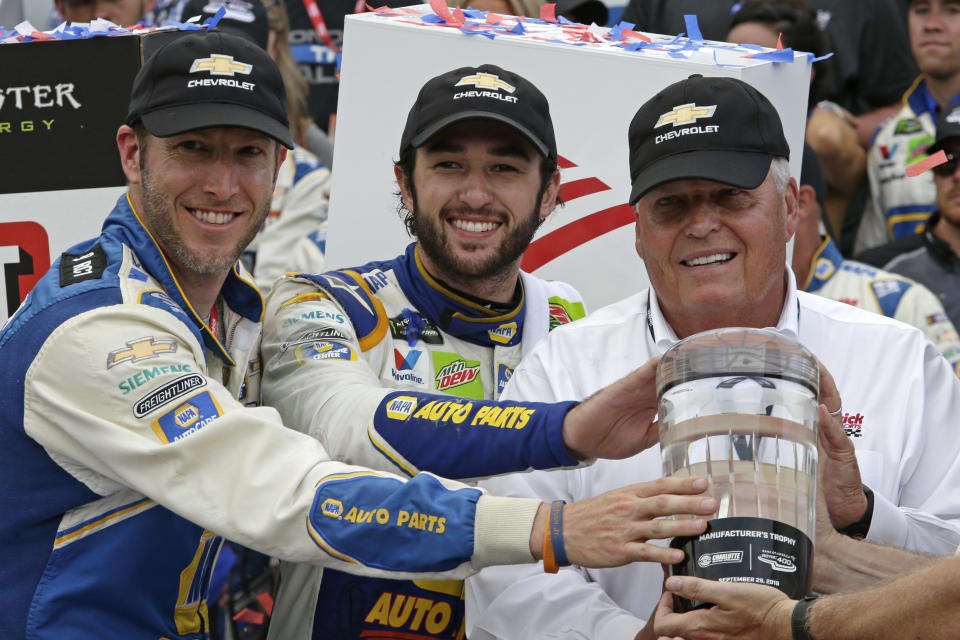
929 162
266 601
628 33
249 616
493 18
378 9
779 41
458 17
441 9
588 37
548 12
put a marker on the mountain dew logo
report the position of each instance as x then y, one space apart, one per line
563 311
457 376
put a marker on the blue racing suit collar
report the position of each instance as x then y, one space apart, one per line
454 313
238 292
824 264
919 99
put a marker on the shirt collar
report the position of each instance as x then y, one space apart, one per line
665 337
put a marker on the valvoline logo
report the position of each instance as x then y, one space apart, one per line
455 374
407 362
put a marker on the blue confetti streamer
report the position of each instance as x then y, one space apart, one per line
783 55
676 39
477 32
693 27
476 14
636 46
214 20
432 18
339 61
752 47
564 22
572 44
519 30
823 57
677 54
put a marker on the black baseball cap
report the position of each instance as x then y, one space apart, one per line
487 92
708 128
245 18
948 126
206 80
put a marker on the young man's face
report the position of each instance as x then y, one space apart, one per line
205 194
935 36
715 252
476 198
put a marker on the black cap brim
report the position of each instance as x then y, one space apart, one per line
742 169
435 127
171 121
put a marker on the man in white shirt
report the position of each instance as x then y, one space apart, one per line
715 207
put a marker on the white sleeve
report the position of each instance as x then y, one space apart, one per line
921 308
926 518
236 470
522 601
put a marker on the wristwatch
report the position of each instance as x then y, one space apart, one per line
860 528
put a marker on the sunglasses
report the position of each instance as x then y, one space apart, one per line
947 168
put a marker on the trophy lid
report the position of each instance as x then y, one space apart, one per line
733 351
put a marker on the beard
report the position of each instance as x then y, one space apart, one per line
431 234
157 213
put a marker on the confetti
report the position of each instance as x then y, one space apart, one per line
929 162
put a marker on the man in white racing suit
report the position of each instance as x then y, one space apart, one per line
128 450
900 205
452 315
714 212
821 269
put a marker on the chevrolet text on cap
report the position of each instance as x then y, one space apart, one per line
206 80
487 92
706 128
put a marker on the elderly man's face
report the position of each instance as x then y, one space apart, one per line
716 254
205 194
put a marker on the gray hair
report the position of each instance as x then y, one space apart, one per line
780 168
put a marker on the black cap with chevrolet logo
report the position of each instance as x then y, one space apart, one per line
706 128
948 127
210 80
487 92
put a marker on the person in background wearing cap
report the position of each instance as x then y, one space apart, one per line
901 206
821 269
931 257
298 210
128 448
356 357
715 206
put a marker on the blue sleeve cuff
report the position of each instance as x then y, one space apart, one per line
462 438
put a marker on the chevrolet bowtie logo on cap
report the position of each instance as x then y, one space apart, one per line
220 65
685 114
140 349
486 81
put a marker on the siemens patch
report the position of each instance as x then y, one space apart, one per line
186 418
167 393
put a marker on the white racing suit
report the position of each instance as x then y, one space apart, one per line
336 347
127 452
890 294
298 211
899 205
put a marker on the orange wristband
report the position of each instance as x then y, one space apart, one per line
549 561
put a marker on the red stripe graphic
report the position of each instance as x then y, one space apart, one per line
583 187
556 243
